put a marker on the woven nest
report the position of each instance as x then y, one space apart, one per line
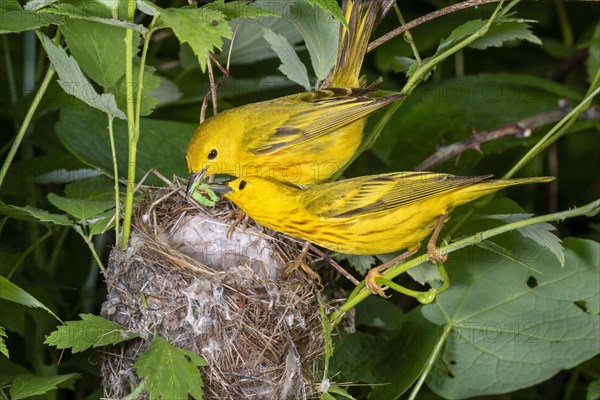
224 299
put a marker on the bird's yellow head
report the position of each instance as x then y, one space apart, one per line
256 193
212 149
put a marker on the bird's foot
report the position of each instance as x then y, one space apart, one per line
372 284
434 254
239 216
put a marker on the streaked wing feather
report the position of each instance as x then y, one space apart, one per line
373 194
314 114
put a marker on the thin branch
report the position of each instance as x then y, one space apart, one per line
235 31
425 18
211 78
223 70
520 129
335 265
213 87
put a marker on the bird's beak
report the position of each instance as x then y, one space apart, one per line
194 177
220 188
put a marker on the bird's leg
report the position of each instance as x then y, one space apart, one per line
300 261
375 272
432 250
239 216
335 265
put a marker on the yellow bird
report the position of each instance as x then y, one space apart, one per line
303 138
374 214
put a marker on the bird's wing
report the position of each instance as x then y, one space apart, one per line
371 194
313 114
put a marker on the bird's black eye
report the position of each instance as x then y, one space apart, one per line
212 154
242 185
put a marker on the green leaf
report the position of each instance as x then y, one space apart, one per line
74 82
502 30
202 28
250 46
495 248
239 9
402 64
170 373
511 328
461 32
506 31
291 66
101 223
34 5
95 8
3 348
320 35
9 369
593 390
366 358
362 264
339 391
540 233
71 13
96 48
378 313
28 213
161 146
80 209
11 292
151 82
26 385
90 331
96 188
331 7
425 274
16 19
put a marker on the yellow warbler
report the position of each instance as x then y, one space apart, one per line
302 138
374 214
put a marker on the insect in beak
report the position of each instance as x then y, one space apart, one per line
220 188
194 177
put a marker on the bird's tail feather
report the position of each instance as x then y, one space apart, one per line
362 18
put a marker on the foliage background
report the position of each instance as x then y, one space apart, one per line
473 90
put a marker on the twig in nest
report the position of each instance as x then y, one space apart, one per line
418 21
521 129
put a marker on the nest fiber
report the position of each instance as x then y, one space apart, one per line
224 299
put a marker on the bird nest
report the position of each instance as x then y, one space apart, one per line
225 299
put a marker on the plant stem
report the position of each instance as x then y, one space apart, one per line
57 249
90 245
26 122
408 35
10 75
565 25
113 151
556 132
131 159
430 362
24 255
356 297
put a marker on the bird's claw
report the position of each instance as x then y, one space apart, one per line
435 256
239 216
300 262
372 284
